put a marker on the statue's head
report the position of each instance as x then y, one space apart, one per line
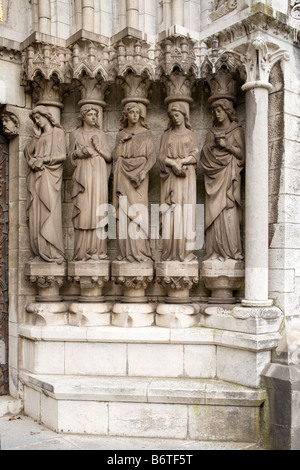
43 111
227 106
175 108
130 107
88 108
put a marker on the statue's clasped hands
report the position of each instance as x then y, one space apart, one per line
137 180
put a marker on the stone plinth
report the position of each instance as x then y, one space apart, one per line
134 278
177 315
90 308
48 308
133 310
222 278
47 313
177 278
48 277
234 317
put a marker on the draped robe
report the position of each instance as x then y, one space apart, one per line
132 157
222 180
43 209
90 190
180 191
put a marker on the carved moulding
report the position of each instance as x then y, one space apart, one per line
222 8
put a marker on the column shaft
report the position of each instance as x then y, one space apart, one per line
256 211
44 12
178 12
88 13
132 13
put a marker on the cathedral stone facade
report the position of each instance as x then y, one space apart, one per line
149 221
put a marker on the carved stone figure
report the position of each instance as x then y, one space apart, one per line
45 155
178 158
222 158
10 124
90 155
134 156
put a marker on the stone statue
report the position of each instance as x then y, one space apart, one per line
134 156
222 158
90 155
45 155
178 159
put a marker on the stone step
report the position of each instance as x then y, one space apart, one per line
177 408
144 389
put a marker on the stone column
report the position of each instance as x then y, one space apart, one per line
258 63
88 12
256 213
178 12
44 13
132 14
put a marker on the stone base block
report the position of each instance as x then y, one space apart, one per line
133 314
177 315
90 314
237 318
100 268
283 385
47 313
222 278
179 408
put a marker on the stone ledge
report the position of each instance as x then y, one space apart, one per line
144 390
153 335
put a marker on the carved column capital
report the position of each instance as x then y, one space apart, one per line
258 61
254 62
135 87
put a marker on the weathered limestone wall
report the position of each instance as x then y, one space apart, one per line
284 163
